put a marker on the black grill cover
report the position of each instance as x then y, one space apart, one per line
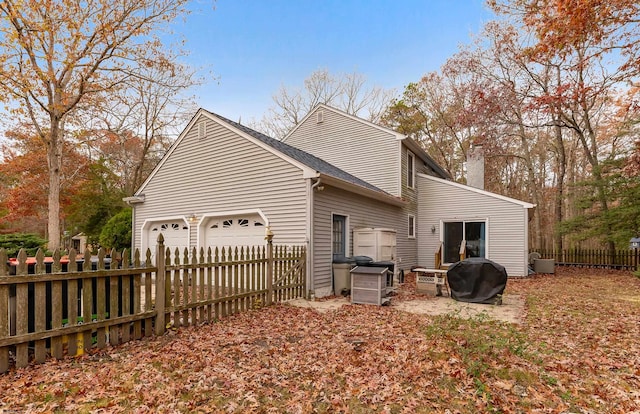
477 280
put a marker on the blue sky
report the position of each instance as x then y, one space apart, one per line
253 47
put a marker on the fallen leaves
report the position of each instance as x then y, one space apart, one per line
577 351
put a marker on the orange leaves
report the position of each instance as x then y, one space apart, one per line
576 352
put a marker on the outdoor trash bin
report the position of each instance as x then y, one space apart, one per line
342 275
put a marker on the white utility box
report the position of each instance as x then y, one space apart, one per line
376 243
369 285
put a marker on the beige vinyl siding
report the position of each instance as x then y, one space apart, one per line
360 149
506 223
225 172
361 212
410 196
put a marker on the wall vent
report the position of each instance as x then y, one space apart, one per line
320 117
202 130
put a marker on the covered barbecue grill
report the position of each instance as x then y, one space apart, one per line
477 280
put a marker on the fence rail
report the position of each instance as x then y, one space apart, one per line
619 259
63 306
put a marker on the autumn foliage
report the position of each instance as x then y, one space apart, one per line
575 351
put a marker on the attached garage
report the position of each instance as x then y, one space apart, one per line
242 229
174 230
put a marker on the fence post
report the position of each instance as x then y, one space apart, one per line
5 312
160 288
269 237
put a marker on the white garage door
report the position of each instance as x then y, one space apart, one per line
241 230
175 233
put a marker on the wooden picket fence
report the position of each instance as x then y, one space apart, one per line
627 259
63 307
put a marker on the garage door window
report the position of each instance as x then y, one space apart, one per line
235 231
175 232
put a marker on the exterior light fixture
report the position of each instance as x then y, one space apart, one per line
433 228
192 218
268 233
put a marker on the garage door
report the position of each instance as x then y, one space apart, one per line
241 230
175 233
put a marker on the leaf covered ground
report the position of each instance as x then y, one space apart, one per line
577 351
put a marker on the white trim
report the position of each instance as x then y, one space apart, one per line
347 233
411 229
399 167
525 253
411 172
487 238
206 216
149 221
524 204
309 236
134 199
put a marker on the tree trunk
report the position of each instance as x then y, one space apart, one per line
531 182
54 159
562 169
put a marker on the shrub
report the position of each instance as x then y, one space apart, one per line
116 234
12 243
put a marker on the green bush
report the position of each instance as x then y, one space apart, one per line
12 243
116 234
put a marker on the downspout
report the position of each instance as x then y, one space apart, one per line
133 235
310 199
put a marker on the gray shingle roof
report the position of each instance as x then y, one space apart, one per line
305 158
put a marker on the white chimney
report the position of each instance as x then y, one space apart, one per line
475 166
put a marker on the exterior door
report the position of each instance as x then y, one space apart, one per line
472 232
339 236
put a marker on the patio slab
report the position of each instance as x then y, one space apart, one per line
512 309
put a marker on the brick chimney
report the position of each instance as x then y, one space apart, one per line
475 166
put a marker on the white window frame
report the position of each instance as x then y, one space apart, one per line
411 170
411 223
347 233
487 243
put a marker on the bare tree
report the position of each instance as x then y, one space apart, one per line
141 119
348 92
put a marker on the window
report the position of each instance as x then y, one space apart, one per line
412 226
339 236
411 169
472 232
